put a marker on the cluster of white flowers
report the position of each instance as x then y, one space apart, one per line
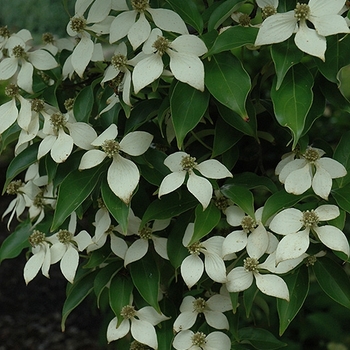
141 38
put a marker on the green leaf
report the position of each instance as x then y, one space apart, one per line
9 136
177 252
252 180
189 13
141 113
83 104
293 100
298 286
240 196
74 189
247 127
342 155
260 338
278 201
284 56
13 245
146 278
21 162
120 292
342 197
228 82
225 137
249 297
233 38
187 106
79 290
343 78
205 221
98 257
115 205
336 56
169 206
104 276
222 12
333 280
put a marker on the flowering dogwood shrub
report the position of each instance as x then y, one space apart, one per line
165 154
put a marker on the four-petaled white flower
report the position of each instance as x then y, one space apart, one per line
192 267
139 30
241 278
256 243
184 64
298 175
212 309
65 248
290 221
41 257
182 164
60 143
324 16
141 324
188 340
123 174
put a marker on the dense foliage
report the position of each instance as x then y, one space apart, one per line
182 162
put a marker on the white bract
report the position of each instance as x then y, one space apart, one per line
296 227
122 175
192 267
65 248
185 64
212 309
138 30
141 324
298 175
183 165
188 340
324 16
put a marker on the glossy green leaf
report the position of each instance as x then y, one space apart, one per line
98 257
278 201
21 162
233 38
187 106
222 12
298 286
115 205
293 100
9 136
247 127
79 290
120 292
336 56
228 82
342 197
83 104
284 56
177 252
74 189
13 244
249 297
188 13
146 278
240 196
205 221
225 137
333 280
343 78
260 338
252 180
169 206
342 155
